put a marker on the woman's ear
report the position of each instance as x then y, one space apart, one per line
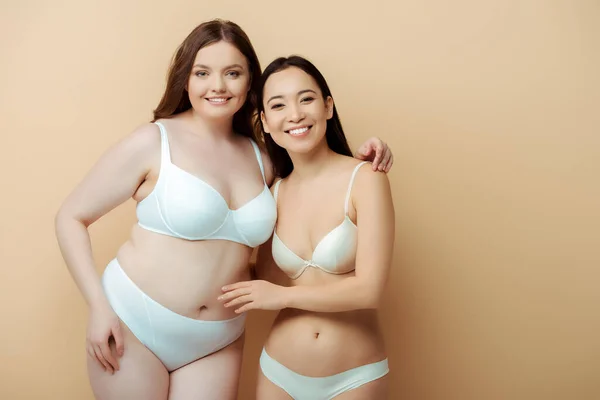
263 120
329 107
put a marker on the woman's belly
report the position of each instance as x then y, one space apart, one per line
324 344
184 276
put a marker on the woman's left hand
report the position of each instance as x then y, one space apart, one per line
257 294
378 152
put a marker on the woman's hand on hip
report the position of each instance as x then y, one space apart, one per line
104 323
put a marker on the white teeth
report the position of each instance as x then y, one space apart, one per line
298 131
217 100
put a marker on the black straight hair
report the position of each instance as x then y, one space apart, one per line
336 139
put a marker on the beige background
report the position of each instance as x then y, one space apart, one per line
491 108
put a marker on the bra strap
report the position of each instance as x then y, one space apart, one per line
165 153
350 186
276 190
259 158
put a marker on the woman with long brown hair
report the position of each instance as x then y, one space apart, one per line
156 329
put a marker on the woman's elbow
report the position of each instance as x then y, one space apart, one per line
64 218
59 218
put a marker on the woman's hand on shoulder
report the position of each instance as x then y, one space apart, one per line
378 152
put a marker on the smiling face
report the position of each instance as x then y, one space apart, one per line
295 112
219 81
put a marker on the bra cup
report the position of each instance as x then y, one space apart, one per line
182 207
183 211
255 221
334 254
185 206
285 259
337 249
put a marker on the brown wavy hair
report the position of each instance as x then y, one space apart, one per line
176 98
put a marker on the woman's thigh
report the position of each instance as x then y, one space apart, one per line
214 377
377 389
141 375
267 390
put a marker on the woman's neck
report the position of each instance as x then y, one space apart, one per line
216 129
310 165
